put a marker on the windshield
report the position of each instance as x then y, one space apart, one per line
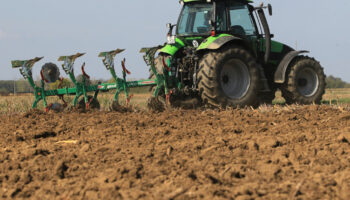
240 20
194 19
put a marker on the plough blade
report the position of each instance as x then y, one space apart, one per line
28 63
111 53
72 57
148 49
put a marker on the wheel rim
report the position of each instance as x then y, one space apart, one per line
235 79
307 82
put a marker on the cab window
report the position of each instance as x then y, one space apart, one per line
241 22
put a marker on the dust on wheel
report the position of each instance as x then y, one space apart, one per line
94 103
229 78
305 82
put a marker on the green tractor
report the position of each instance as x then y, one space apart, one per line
223 55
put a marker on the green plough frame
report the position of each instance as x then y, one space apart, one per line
82 88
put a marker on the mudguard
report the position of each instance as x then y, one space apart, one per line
215 42
280 74
171 49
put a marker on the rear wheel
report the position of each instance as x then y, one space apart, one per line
229 77
305 82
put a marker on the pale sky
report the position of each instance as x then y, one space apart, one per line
51 28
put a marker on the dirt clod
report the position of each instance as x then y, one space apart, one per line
60 169
45 134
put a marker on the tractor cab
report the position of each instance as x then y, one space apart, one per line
200 18
201 21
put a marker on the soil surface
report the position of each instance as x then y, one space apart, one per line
297 152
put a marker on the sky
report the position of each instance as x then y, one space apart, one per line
52 28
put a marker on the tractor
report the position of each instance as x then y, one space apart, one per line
223 55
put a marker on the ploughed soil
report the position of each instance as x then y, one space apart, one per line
297 152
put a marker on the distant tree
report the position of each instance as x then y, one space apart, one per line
65 83
4 92
334 82
111 80
7 86
80 79
22 86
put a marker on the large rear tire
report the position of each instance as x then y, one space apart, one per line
229 77
305 82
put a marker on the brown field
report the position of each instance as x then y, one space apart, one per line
273 152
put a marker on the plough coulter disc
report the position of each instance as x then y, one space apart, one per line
50 72
57 107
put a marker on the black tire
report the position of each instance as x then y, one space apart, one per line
95 104
305 82
211 78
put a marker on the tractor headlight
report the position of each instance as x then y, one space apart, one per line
171 39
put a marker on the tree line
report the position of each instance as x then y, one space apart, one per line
22 86
334 82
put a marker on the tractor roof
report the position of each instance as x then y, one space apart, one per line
187 1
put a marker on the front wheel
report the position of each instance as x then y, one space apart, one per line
229 77
305 82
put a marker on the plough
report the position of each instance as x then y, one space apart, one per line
82 88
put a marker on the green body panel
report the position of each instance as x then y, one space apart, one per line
278 50
276 47
171 49
210 40
188 40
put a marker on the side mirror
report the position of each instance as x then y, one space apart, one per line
270 9
168 25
